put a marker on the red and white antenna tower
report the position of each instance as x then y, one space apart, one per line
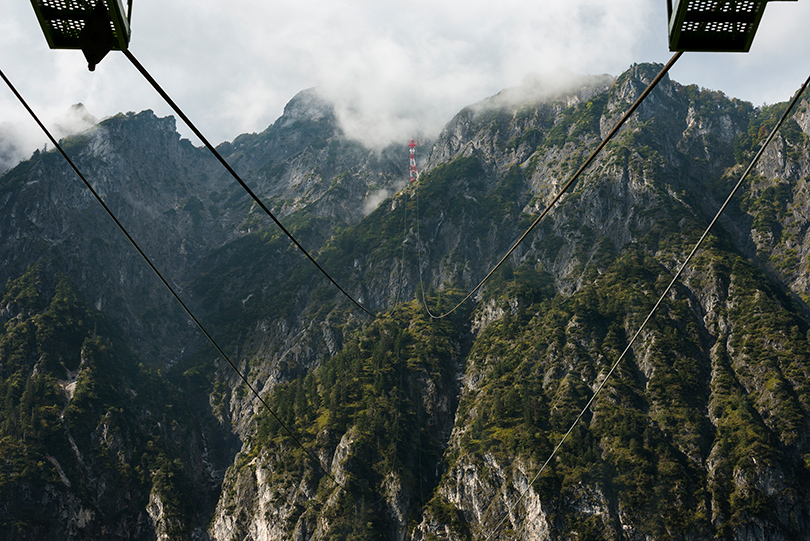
414 172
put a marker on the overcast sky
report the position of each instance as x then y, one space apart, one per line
399 67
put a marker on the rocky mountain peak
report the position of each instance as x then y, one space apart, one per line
76 120
142 124
561 85
307 105
433 425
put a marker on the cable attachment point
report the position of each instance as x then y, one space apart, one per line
96 38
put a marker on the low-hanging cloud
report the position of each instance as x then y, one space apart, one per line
19 139
75 120
12 145
373 201
435 59
394 69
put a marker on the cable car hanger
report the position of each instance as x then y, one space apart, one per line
726 26
77 24
694 25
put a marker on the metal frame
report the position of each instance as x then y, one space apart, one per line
714 25
62 21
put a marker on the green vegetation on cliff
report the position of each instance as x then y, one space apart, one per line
71 431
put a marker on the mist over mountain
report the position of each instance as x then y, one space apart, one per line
17 141
120 421
10 151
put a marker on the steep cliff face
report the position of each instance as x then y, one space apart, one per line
303 161
689 390
142 169
188 217
686 418
94 445
181 206
434 427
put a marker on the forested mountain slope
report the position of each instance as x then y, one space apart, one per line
434 426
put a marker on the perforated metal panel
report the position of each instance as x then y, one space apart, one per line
62 21
714 25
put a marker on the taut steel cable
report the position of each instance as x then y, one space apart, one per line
233 173
660 301
562 191
166 283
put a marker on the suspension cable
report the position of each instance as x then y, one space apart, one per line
233 173
166 283
657 304
565 187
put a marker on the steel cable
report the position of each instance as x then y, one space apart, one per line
565 187
657 304
166 283
234 174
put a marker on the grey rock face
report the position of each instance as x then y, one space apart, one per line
494 167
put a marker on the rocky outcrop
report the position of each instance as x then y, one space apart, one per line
437 427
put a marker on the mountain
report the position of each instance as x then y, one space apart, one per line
119 421
94 444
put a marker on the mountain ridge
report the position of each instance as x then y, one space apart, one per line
707 413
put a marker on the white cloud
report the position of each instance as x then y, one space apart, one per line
75 120
15 144
373 201
397 68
